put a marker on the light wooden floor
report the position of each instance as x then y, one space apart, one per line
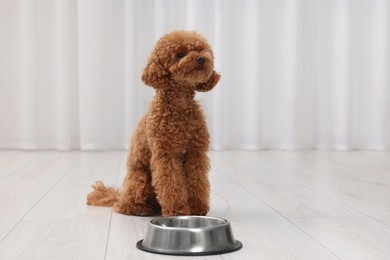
295 205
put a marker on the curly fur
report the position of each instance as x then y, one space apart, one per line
167 166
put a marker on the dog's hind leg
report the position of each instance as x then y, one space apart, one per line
137 197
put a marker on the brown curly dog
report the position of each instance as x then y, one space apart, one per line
167 166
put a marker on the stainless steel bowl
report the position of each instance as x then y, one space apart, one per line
189 235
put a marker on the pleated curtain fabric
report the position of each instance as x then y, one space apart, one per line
296 74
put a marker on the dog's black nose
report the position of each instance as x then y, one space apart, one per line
200 60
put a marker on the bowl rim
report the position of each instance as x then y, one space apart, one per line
226 223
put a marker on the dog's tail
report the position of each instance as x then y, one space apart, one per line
102 195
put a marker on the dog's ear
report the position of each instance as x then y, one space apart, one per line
210 84
154 75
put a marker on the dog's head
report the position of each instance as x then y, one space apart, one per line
184 58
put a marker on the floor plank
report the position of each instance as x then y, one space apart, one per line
56 239
285 196
315 172
263 231
11 162
350 238
20 191
367 194
67 200
9 155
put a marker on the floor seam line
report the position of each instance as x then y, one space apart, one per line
110 222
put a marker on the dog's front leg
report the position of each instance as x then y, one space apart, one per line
170 187
196 169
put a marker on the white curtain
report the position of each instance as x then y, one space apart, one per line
296 74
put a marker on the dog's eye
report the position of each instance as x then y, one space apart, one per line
180 55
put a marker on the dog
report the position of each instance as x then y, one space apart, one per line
167 164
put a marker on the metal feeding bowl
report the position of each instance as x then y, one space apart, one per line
189 235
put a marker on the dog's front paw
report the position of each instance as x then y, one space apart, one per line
198 208
179 211
135 210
